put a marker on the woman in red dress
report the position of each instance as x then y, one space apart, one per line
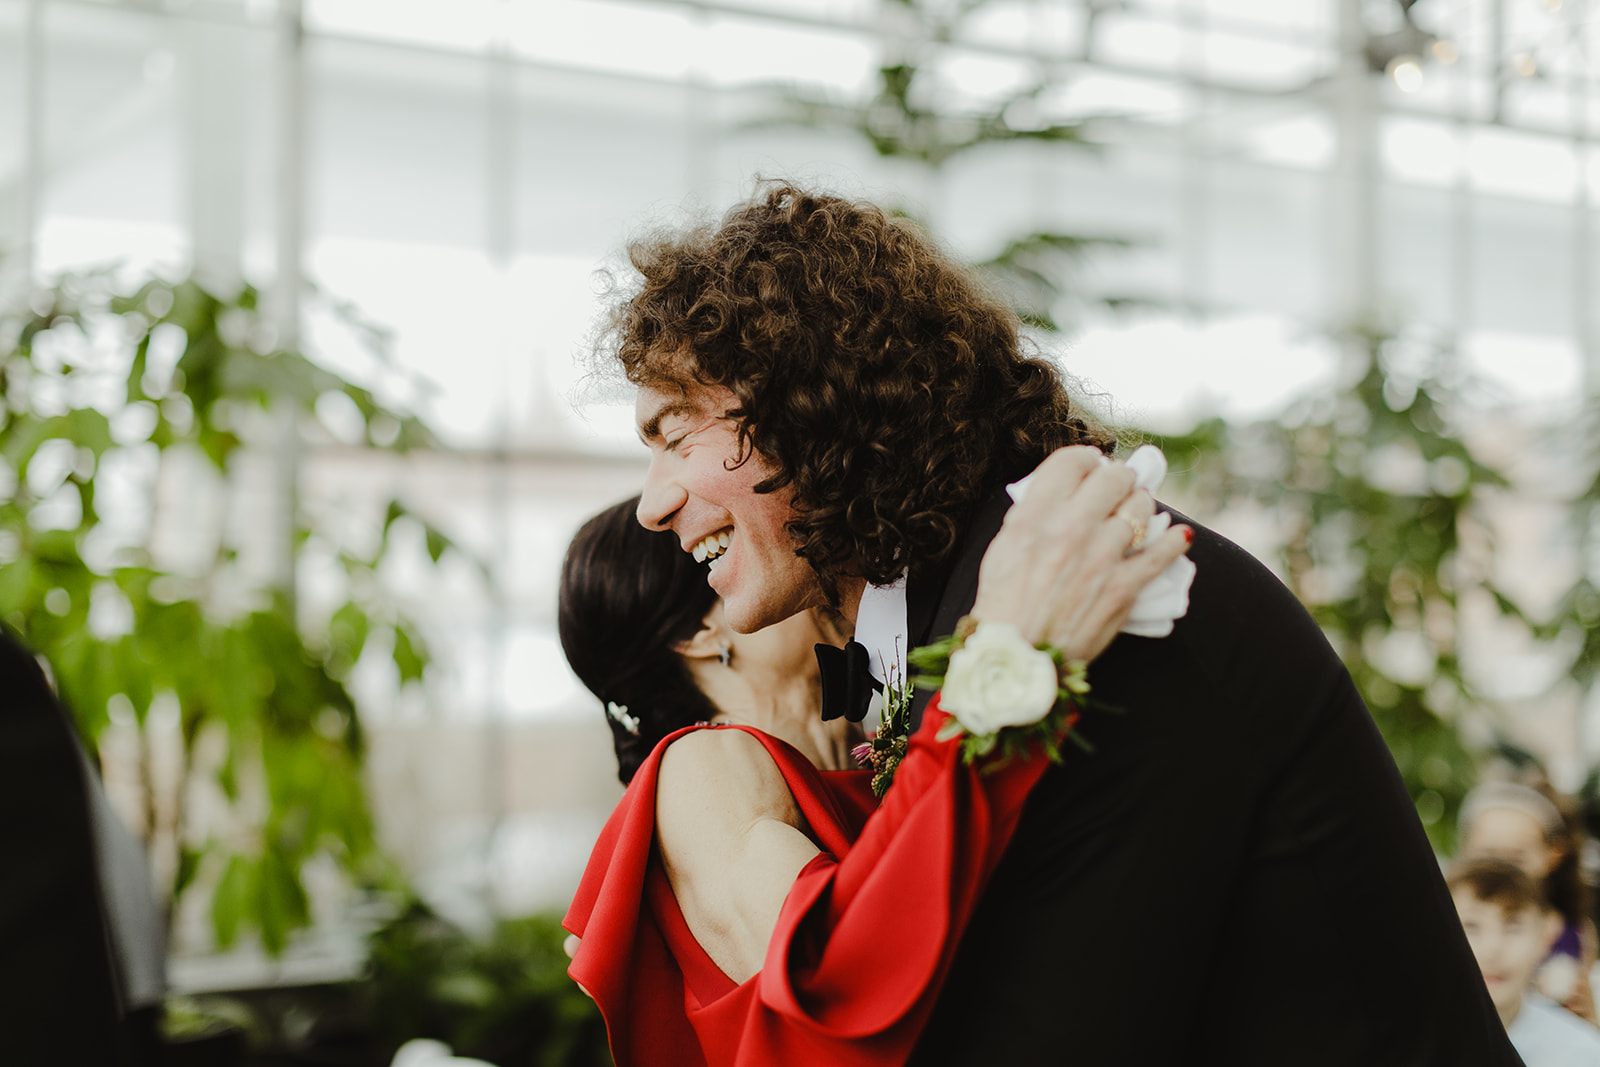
749 902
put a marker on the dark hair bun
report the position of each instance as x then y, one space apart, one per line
628 597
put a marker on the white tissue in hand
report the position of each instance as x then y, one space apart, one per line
1163 602
1166 599
1149 467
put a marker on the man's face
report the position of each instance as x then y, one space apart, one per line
697 488
1509 947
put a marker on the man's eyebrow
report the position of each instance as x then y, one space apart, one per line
650 429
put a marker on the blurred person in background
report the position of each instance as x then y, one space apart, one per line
682 897
1526 825
1511 926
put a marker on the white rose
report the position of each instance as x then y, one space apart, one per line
997 679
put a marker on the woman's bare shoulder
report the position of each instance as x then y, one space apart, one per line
731 842
710 744
720 781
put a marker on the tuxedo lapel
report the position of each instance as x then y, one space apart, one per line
936 599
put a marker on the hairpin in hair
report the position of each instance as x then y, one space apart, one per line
619 715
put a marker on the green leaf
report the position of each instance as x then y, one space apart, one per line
16 579
348 629
188 864
22 437
437 542
88 428
228 778
408 656
231 900
281 901
218 445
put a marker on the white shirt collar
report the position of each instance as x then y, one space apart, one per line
881 628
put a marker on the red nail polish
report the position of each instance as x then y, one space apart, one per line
1188 535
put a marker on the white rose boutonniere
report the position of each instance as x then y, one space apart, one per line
1002 694
996 679
1008 698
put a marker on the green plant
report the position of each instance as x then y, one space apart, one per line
903 121
505 998
1577 617
1379 502
152 398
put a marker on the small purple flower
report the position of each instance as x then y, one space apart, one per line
862 754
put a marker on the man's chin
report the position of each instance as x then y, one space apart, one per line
748 618
741 625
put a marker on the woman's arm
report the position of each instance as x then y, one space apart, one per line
847 943
731 842
731 836
855 931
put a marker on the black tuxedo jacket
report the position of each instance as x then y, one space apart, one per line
1235 876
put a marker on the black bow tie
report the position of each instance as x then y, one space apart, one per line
847 683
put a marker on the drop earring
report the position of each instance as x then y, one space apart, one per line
725 655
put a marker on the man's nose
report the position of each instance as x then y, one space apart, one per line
660 498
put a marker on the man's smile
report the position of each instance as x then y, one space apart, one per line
701 485
712 545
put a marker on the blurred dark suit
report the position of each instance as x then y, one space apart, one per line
75 957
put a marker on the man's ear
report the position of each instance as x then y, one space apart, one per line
711 640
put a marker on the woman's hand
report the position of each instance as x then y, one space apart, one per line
1068 563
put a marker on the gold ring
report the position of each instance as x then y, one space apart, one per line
1138 532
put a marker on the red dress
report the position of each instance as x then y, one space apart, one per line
864 939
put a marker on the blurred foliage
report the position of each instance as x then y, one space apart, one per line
903 121
502 997
1578 619
900 121
135 398
1378 501
1589 803
505 998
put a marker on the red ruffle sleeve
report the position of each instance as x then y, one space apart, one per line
864 939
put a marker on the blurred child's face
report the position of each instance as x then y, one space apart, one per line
1509 947
1513 836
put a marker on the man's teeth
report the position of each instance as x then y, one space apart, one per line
713 546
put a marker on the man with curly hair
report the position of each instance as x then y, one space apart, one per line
1235 874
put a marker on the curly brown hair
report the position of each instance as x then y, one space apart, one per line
876 375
